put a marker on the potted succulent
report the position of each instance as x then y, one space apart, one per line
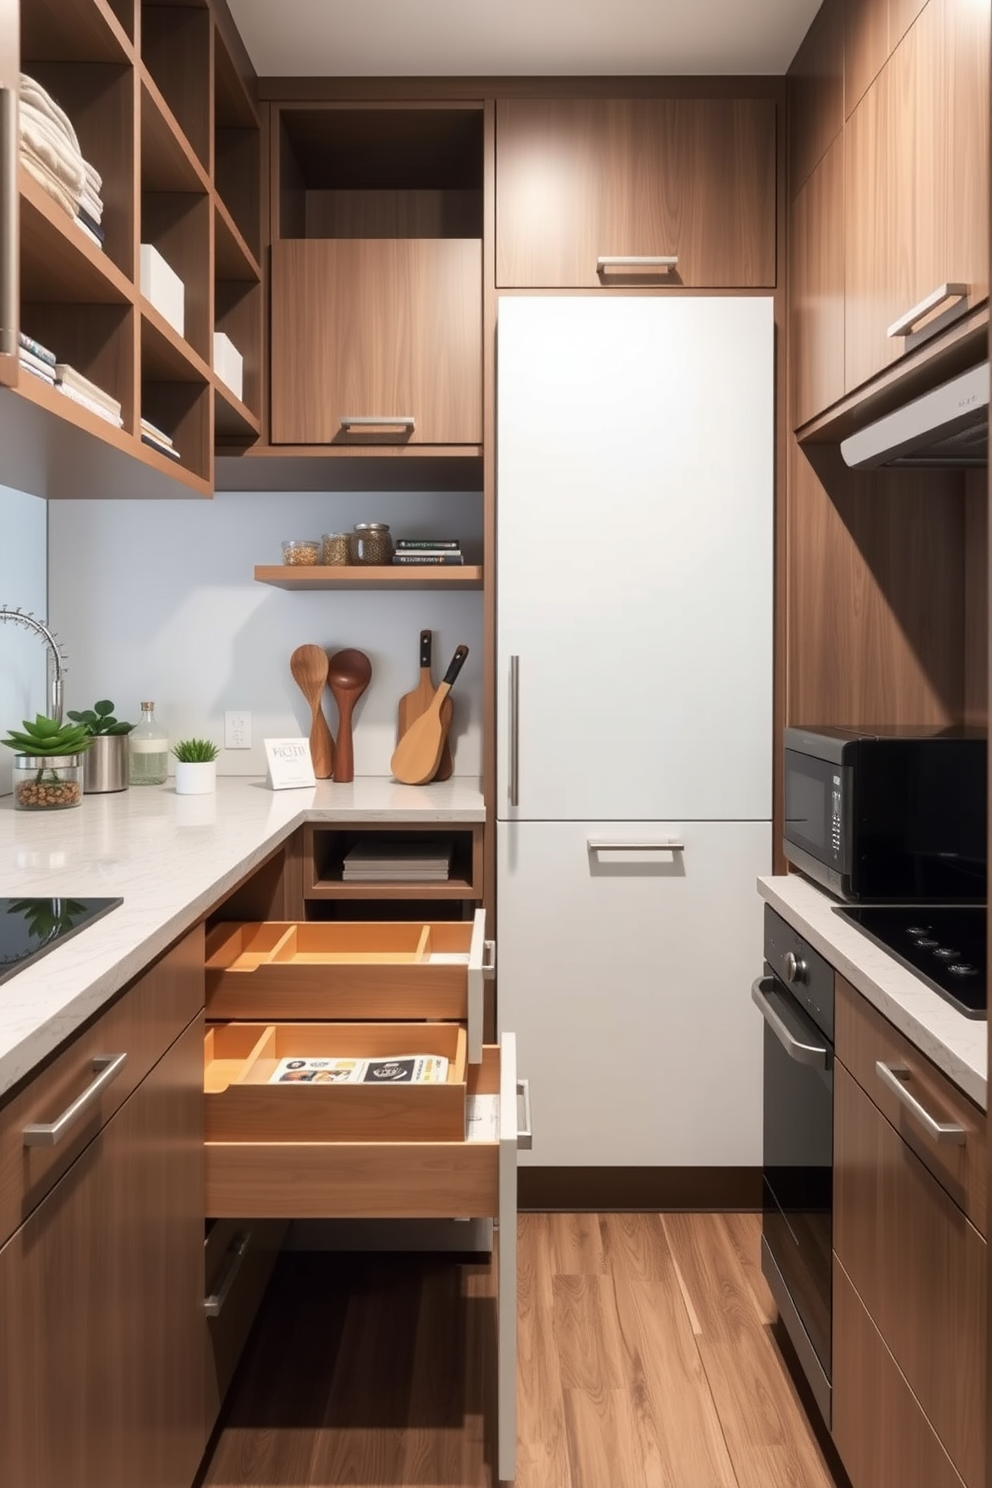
105 767
196 767
48 763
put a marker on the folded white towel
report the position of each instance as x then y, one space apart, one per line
92 204
39 171
31 92
50 147
93 177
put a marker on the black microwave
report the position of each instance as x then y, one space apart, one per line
892 815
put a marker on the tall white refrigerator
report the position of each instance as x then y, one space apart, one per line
635 477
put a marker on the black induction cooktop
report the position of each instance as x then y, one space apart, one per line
30 927
944 945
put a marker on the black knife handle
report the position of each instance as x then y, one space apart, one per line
425 648
456 664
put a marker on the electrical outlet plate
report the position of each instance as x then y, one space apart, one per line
237 730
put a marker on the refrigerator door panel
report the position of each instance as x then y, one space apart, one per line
625 961
634 557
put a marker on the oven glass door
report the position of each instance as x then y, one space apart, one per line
815 809
798 1159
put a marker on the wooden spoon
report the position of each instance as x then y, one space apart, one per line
416 756
349 672
308 665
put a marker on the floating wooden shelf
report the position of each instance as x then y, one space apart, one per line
426 576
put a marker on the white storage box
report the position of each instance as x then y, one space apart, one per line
163 287
228 363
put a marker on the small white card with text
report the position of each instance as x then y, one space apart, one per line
289 763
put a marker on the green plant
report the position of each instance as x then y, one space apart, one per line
195 751
100 719
46 737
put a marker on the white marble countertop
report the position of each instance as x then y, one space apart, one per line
956 1044
170 858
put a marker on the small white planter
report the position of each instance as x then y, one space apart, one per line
196 778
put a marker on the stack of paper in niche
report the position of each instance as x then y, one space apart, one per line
398 860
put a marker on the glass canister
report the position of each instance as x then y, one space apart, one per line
148 750
300 552
335 548
48 782
372 543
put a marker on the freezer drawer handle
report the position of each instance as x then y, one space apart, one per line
665 261
9 250
106 1068
798 1046
213 1305
893 1075
906 324
525 1133
609 844
351 421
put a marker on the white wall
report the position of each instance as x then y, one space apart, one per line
158 600
23 664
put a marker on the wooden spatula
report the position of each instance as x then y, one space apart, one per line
413 704
416 756
308 665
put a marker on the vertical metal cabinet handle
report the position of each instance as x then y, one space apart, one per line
893 1075
525 1133
9 250
370 421
665 261
906 324
213 1305
514 731
106 1068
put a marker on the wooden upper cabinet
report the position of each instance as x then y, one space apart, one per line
581 179
816 257
382 329
917 178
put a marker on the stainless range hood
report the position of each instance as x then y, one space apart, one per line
947 426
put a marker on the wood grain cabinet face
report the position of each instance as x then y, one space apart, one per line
377 328
918 1266
917 182
580 178
816 238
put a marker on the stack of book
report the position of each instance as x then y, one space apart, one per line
36 359
157 439
79 388
397 860
428 550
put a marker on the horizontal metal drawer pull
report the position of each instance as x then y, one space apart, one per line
609 844
653 261
106 1068
525 1133
213 1305
906 324
367 421
798 1047
893 1075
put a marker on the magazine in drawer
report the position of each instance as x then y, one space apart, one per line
334 1082
341 969
395 1177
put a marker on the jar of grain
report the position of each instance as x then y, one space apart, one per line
371 543
301 551
335 548
47 782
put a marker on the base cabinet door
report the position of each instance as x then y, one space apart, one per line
626 953
101 1302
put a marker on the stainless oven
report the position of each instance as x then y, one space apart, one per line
796 1000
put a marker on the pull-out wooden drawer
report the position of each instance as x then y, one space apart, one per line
244 1105
238 1259
290 1167
336 969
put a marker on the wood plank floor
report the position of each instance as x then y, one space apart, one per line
647 1358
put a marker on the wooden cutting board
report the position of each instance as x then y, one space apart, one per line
413 705
417 755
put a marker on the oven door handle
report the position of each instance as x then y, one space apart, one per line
795 1040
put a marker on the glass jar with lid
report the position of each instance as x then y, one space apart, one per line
148 750
371 543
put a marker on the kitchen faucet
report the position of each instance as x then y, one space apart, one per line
56 656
